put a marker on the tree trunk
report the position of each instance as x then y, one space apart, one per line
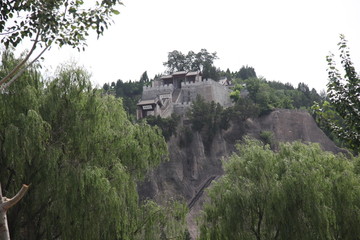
5 204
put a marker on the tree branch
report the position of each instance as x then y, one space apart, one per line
22 63
10 32
8 203
5 85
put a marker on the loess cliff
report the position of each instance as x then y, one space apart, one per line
192 167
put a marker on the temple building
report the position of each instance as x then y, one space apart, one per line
174 94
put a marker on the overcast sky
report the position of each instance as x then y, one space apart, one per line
284 40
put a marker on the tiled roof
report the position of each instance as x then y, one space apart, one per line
145 102
192 73
179 73
166 77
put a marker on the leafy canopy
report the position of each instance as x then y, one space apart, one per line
201 61
208 118
61 22
83 158
341 113
46 23
299 192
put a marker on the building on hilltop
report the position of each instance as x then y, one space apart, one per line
174 94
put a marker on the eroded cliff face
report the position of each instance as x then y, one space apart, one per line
191 168
188 168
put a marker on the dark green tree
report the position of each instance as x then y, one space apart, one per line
167 125
201 61
208 118
106 87
176 62
246 72
210 71
144 79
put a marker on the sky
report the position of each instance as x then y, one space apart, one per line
283 40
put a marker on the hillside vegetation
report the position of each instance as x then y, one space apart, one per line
86 157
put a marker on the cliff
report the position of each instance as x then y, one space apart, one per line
191 169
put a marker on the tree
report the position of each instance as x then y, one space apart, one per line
203 59
176 62
243 109
210 71
144 79
299 192
82 156
343 99
200 61
167 125
246 72
46 23
106 87
208 118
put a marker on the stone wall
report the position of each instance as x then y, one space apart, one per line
152 92
208 89
181 108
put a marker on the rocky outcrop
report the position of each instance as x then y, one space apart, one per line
191 168
293 125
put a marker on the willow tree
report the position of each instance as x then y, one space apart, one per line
300 192
81 154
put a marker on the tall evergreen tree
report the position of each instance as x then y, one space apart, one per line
246 72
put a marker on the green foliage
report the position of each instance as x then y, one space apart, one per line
236 91
246 72
322 113
341 114
45 23
201 61
299 192
267 137
166 221
167 125
130 92
186 136
266 96
144 79
81 155
208 119
243 109
60 22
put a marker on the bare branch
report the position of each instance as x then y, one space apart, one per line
23 62
21 71
10 32
11 202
